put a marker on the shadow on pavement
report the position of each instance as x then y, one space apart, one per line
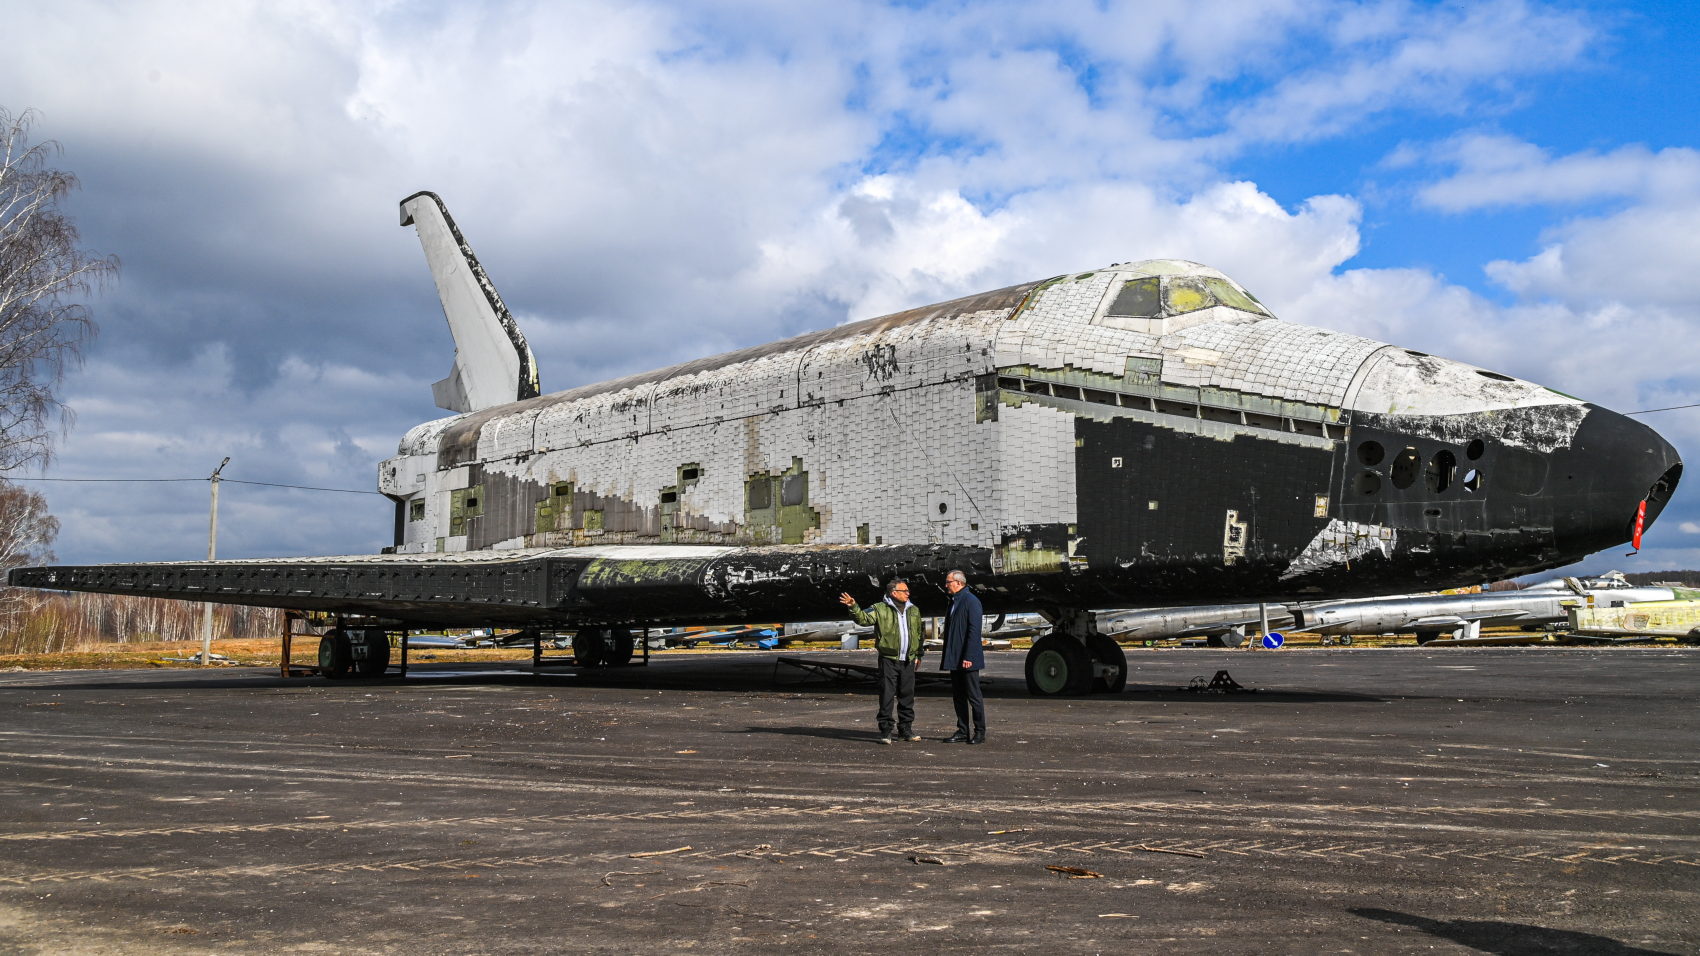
1508 939
826 733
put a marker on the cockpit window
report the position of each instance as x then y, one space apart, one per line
1137 299
1150 297
1182 294
1233 298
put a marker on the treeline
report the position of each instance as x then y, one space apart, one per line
33 622
1687 579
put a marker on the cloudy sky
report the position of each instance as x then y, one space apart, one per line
1513 184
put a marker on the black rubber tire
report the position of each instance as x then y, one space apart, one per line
620 646
1058 666
333 656
1234 638
1425 638
377 657
1104 650
591 647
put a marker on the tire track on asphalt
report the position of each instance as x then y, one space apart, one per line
1444 819
31 763
1337 749
965 853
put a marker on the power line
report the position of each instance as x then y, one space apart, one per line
268 484
273 484
1668 408
13 478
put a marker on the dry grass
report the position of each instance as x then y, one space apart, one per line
258 652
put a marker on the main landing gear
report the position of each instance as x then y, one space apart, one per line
1075 659
603 646
354 651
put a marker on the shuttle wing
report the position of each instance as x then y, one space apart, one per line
550 587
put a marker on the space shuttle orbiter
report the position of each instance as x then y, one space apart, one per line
1136 435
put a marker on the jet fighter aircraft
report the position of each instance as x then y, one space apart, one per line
1134 435
1464 615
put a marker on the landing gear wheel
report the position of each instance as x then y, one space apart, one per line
1234 638
619 647
591 646
1058 665
334 655
1104 650
369 648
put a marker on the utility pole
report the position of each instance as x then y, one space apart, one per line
212 555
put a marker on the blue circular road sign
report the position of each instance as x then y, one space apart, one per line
1273 639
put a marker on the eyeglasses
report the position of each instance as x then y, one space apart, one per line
900 590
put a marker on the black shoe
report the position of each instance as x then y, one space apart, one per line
957 738
979 738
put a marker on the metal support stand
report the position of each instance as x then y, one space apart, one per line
1222 683
290 618
537 658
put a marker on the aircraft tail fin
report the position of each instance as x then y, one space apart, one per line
493 363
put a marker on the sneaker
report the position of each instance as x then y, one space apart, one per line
913 738
885 740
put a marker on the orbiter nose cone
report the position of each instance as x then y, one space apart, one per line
1614 464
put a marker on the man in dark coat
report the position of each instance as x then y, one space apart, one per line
964 658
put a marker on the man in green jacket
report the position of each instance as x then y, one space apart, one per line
897 637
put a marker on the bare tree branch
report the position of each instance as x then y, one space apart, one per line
43 274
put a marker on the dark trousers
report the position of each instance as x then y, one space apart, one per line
897 683
965 694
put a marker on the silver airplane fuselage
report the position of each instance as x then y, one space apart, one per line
1451 613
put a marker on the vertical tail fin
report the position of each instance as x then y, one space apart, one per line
493 365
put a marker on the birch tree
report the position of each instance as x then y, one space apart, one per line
26 531
43 277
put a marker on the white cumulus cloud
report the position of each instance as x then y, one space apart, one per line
649 182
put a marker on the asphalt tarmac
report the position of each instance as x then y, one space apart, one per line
1516 800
